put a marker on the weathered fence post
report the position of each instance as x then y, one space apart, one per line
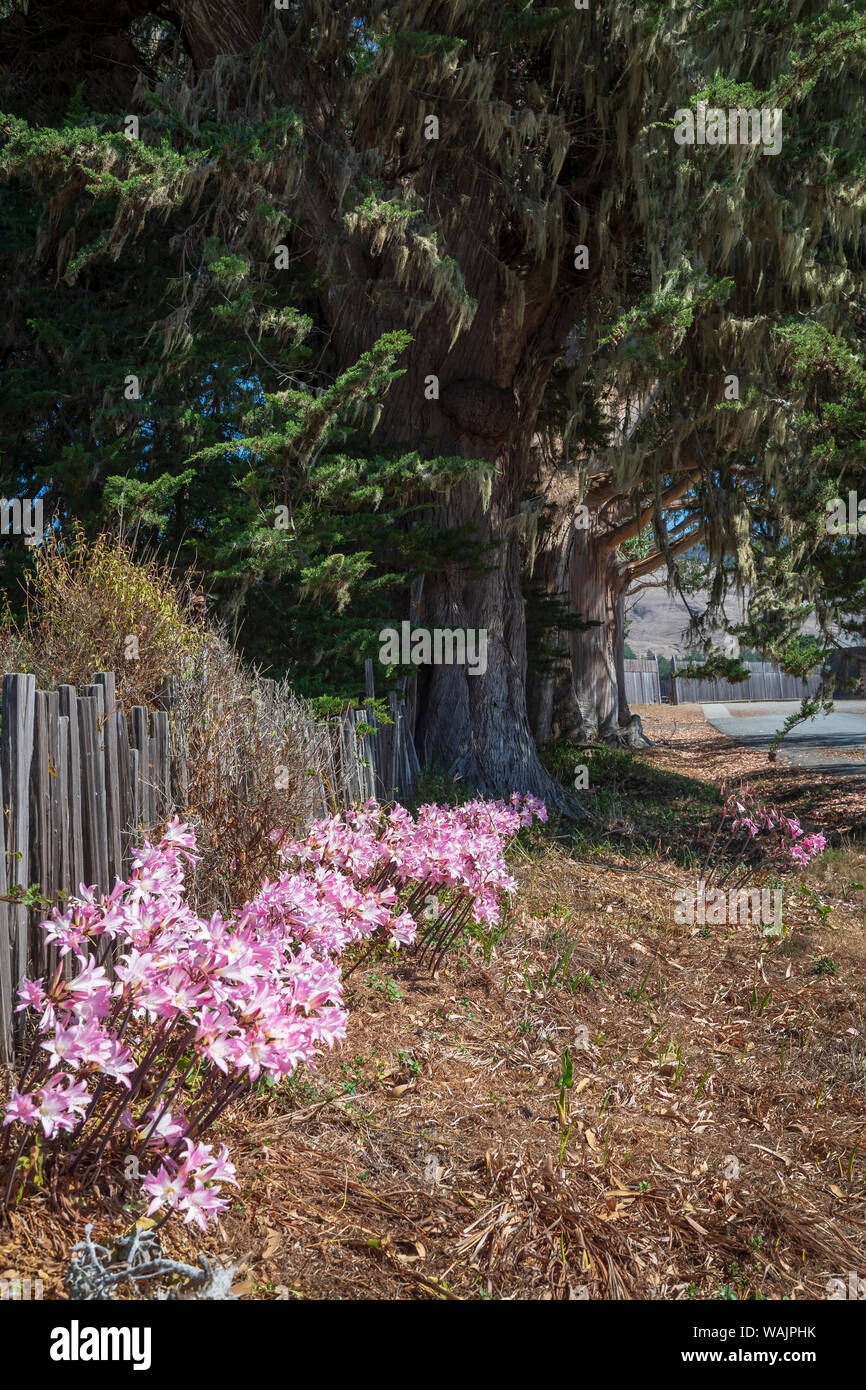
373 740
93 788
161 765
123 799
114 811
61 810
40 815
7 1002
46 820
394 711
177 743
69 708
140 740
16 750
134 791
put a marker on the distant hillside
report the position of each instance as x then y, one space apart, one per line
657 621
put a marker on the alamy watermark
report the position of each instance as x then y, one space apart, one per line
22 516
77 1343
846 519
849 1287
439 646
737 906
713 125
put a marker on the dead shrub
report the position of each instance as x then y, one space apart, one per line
249 757
92 606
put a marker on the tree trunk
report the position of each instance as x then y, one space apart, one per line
594 711
491 381
587 703
630 733
478 725
550 690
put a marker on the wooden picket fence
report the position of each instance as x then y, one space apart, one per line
353 765
82 780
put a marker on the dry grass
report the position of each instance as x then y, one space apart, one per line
718 1115
254 760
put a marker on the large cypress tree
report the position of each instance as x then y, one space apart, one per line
499 180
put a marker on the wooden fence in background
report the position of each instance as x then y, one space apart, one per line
82 780
642 684
766 682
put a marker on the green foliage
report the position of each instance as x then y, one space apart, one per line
715 667
547 616
809 707
420 44
246 457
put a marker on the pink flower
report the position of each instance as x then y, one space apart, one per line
87 994
200 1204
32 995
403 930
22 1107
163 1187
60 1105
330 1026
162 1130
815 844
71 1046
200 1164
179 835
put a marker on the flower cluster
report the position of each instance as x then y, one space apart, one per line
190 1011
446 849
452 855
747 813
191 1186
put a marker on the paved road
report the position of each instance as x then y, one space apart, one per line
755 724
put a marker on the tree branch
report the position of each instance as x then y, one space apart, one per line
635 568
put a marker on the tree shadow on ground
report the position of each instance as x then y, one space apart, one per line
643 809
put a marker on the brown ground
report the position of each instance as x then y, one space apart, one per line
715 1140
857 755
684 742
